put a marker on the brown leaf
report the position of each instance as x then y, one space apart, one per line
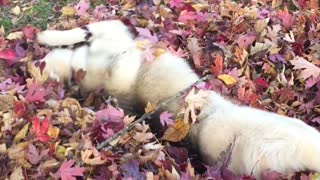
73 105
177 132
6 102
150 107
36 74
79 75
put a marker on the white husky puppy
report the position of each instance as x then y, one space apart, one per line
262 140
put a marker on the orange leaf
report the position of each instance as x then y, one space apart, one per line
177 132
217 68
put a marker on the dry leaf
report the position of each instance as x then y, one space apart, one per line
72 104
150 107
177 132
36 74
6 102
17 174
68 11
53 132
15 35
92 157
227 79
21 134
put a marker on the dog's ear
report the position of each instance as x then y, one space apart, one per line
131 27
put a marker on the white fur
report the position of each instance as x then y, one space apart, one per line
263 140
58 64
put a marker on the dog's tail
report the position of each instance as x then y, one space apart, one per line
108 29
63 38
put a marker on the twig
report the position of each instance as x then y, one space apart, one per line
148 114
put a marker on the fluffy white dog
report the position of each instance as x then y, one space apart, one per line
262 140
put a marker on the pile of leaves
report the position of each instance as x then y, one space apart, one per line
264 54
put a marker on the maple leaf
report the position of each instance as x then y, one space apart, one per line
244 41
287 19
177 132
36 93
82 7
176 3
40 129
165 118
186 16
33 155
217 68
194 102
92 157
131 170
308 69
110 114
29 32
146 34
3 2
67 172
19 108
9 56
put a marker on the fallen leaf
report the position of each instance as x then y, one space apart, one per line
308 69
17 174
68 11
40 129
227 79
165 118
22 133
36 74
67 172
53 132
92 157
177 132
6 103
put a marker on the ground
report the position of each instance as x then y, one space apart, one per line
264 54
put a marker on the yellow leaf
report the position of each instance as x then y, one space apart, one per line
227 79
53 132
17 174
150 107
92 157
177 132
3 148
16 10
158 52
198 7
15 35
68 11
36 74
142 44
73 105
128 5
60 151
21 134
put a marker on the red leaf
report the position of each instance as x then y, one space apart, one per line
3 2
287 19
9 56
40 129
176 3
36 93
261 82
19 108
67 172
29 32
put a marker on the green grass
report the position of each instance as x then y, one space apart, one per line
38 13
